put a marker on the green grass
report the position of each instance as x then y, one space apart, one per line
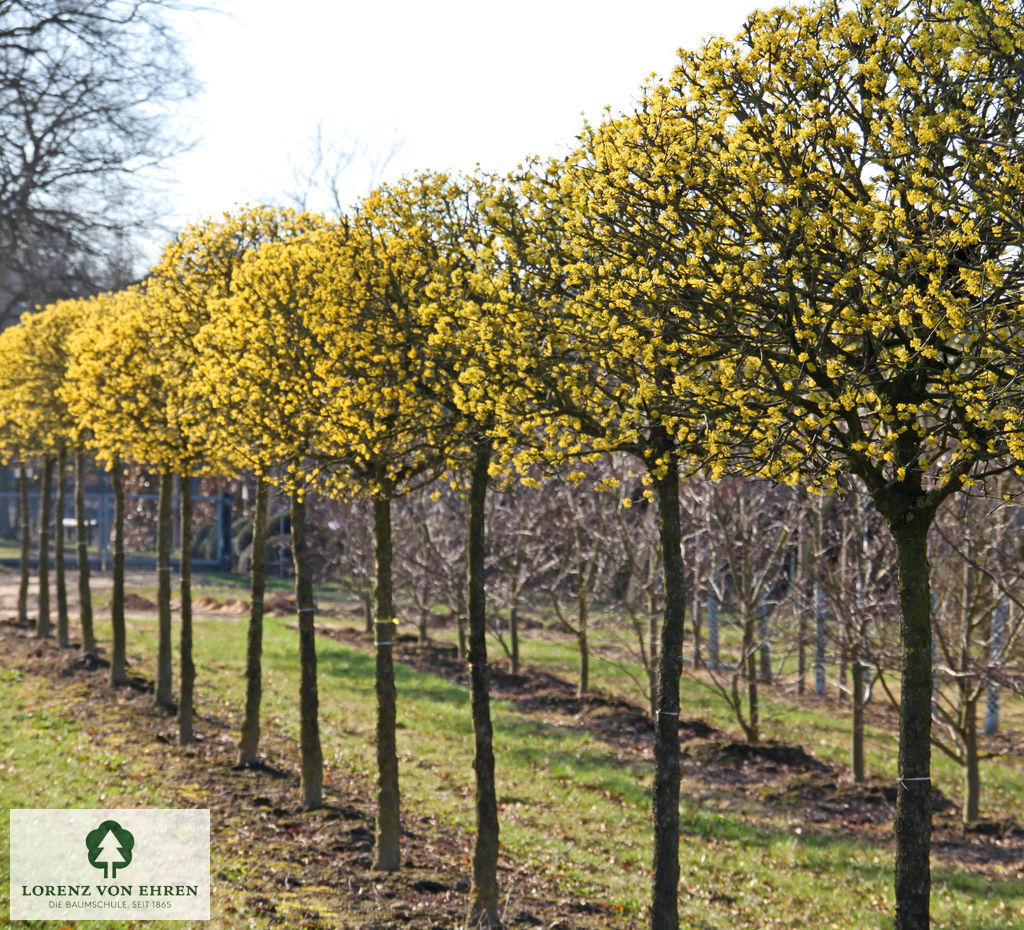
48 759
572 807
786 717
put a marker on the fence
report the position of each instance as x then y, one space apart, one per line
221 520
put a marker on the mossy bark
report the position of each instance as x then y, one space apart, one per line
118 655
186 719
483 893
665 882
164 696
59 568
24 523
84 591
43 624
387 854
311 786
248 744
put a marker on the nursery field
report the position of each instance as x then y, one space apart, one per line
775 836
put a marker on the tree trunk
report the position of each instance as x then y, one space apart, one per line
801 623
387 851
713 611
844 655
84 594
582 615
26 542
997 643
63 633
463 647
248 744
654 631
513 633
312 781
7 529
972 776
483 894
665 885
118 653
367 600
909 527
753 728
225 506
43 627
164 697
801 653
857 747
764 646
820 638
695 607
186 733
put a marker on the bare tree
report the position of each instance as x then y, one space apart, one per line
859 582
432 568
85 93
328 175
524 525
638 585
582 560
753 521
342 539
978 599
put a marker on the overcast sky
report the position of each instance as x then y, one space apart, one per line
447 83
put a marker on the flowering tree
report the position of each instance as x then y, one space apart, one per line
197 269
834 200
593 362
34 421
257 374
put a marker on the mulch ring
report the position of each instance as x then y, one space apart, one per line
769 772
777 774
717 758
308 869
611 719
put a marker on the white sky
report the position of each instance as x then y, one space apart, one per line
455 83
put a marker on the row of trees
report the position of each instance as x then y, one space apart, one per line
799 258
787 589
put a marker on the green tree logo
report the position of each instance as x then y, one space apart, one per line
110 847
